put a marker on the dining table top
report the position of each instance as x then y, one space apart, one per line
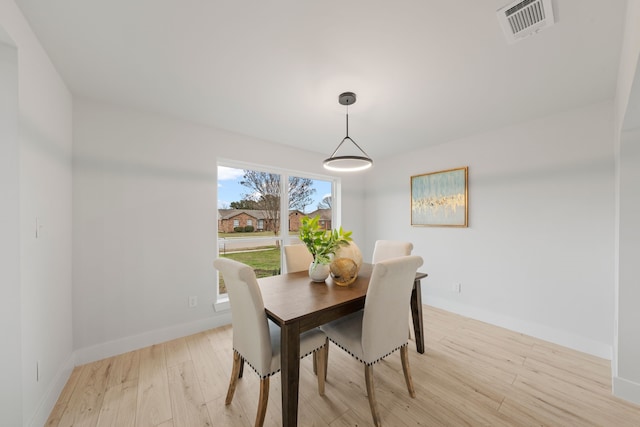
291 297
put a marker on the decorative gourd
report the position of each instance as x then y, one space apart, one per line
344 271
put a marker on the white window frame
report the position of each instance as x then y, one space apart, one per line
222 301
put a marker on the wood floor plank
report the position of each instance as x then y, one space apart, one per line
348 419
153 401
65 396
346 383
573 363
454 356
119 406
227 415
472 373
578 379
177 352
219 338
85 402
125 368
570 398
483 350
517 343
212 372
187 404
460 383
328 407
532 413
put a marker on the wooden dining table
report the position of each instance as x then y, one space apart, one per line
297 304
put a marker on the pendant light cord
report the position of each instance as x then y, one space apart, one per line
348 121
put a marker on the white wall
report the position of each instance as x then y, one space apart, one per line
627 379
626 367
537 256
10 357
44 137
145 210
628 60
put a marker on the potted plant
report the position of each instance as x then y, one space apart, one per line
322 244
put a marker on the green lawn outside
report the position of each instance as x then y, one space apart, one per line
264 262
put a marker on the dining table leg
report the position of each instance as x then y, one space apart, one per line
416 314
290 372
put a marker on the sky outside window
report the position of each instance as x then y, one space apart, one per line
230 189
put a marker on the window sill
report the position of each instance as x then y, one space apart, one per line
222 304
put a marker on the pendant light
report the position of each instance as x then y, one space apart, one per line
348 163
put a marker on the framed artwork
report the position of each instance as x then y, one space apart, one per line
440 198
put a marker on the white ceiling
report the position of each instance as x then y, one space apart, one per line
425 71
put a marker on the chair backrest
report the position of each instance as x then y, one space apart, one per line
386 249
297 258
251 336
384 325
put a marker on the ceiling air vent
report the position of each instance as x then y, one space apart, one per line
524 18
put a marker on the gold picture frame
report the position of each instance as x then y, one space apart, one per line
440 199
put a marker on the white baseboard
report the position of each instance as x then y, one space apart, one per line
536 330
627 390
53 392
126 344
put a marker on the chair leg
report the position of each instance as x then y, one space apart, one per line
315 363
404 356
241 367
322 355
326 358
234 377
262 403
368 376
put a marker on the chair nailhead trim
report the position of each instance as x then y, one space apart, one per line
274 372
375 361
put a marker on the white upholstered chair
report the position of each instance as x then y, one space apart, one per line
297 258
256 340
381 328
385 249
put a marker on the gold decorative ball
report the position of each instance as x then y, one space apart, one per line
350 251
344 271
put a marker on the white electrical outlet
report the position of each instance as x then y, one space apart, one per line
193 301
456 287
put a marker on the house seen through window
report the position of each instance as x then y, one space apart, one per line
251 226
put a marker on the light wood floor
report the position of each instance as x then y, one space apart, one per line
471 374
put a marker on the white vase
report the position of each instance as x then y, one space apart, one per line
319 272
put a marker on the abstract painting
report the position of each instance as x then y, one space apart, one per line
440 198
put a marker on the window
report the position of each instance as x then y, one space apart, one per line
248 195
